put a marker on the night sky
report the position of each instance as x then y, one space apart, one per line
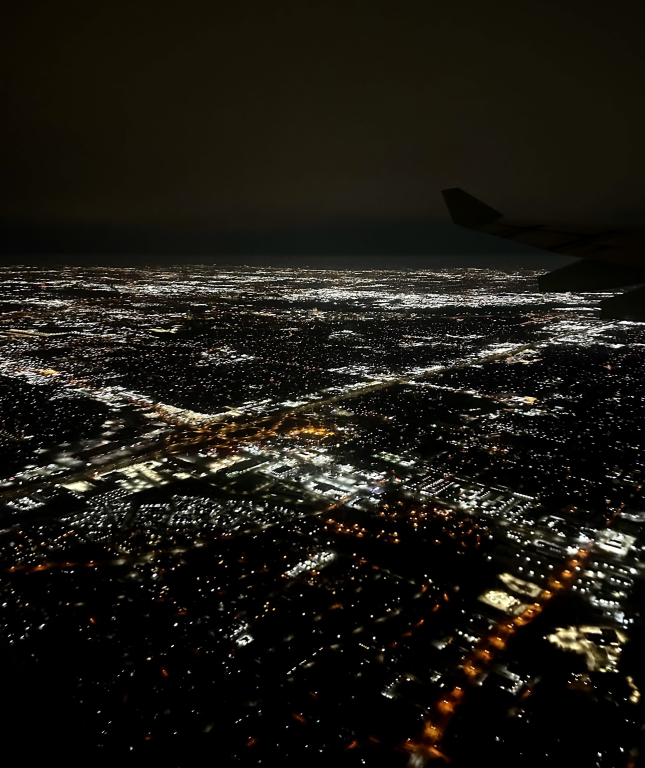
313 126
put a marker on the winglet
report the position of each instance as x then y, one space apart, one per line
468 211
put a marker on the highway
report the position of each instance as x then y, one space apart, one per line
188 438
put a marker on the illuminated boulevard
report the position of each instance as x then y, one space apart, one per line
428 747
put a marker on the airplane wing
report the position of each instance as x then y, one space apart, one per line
612 257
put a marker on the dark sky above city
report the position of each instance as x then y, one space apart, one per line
313 126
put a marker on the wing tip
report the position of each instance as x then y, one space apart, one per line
466 210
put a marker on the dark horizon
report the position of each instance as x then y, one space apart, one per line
137 127
412 244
